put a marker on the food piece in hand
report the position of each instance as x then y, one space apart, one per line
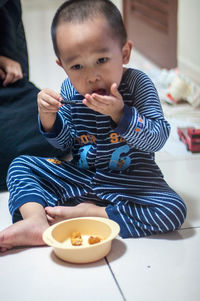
76 239
93 240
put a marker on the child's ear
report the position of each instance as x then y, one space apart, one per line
126 51
58 62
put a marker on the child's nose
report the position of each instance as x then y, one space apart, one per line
93 76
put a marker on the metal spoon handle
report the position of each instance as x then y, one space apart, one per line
65 101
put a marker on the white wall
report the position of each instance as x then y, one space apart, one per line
189 38
55 3
118 3
37 17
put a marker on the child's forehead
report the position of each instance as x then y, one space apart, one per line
80 34
93 26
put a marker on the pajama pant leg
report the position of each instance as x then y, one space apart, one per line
148 213
33 179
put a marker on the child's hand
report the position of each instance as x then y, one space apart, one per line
111 105
49 103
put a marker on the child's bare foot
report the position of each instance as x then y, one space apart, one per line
60 213
27 232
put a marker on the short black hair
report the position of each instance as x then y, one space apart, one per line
77 11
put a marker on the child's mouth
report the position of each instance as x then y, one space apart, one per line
100 92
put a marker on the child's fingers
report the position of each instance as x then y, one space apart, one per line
49 108
49 99
114 91
100 97
49 94
89 100
106 99
88 97
48 105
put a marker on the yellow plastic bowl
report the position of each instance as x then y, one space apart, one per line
58 237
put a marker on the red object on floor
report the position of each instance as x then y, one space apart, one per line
191 138
171 98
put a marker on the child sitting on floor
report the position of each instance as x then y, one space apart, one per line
113 123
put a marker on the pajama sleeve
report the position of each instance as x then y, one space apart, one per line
143 125
63 132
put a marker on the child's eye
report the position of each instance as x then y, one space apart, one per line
76 67
102 60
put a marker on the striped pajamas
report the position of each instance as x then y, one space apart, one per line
113 165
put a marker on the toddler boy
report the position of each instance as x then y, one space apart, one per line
112 123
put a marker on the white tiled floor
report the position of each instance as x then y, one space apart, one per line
162 267
36 274
159 268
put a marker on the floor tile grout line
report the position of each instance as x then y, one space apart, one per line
189 228
117 283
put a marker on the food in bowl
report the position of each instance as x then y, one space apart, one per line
93 240
76 239
59 237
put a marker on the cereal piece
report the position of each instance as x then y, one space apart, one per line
76 239
93 240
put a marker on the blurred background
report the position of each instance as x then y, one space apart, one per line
164 33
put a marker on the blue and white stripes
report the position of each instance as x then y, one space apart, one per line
113 165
